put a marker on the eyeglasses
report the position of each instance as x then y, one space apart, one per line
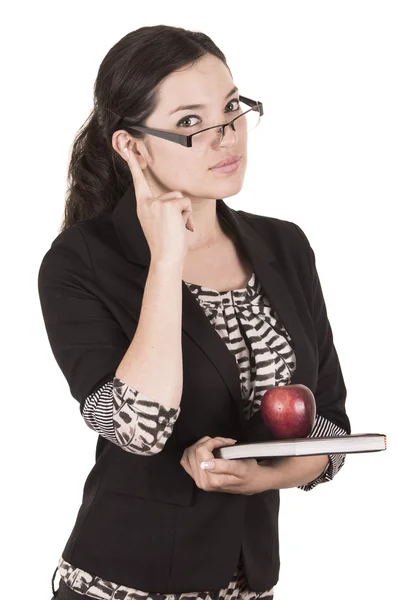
200 140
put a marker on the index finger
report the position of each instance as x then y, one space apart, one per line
142 190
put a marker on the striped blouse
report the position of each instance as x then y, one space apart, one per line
253 333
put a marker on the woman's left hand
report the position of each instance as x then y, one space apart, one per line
233 476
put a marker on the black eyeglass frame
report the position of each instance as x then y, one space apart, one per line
186 140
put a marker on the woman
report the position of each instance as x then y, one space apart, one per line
170 314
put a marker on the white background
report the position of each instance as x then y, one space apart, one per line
324 157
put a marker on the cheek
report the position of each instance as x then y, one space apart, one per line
179 167
168 162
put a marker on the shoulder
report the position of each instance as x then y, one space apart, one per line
68 260
280 234
75 242
278 226
68 248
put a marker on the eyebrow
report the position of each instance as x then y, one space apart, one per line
192 106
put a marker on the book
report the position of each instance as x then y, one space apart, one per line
341 444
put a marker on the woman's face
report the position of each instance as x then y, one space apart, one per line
170 166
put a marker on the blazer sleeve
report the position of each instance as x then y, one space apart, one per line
129 418
86 340
331 392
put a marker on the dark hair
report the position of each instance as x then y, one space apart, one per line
126 85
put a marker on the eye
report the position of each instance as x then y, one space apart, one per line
189 117
185 119
234 100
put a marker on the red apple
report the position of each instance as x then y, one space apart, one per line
289 411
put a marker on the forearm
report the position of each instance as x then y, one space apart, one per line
153 362
291 471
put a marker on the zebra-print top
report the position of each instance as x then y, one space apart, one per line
252 332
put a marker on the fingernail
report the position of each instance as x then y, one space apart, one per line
207 465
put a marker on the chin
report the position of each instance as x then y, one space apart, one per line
230 183
226 190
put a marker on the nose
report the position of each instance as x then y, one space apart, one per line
223 133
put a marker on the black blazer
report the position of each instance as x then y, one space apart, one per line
143 522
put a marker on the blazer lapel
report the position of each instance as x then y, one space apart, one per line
194 321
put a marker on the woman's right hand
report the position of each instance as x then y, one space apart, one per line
164 219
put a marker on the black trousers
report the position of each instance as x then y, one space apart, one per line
65 593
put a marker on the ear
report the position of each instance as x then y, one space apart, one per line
122 140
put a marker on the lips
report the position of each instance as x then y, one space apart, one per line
227 161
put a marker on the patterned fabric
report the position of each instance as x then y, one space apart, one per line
128 418
261 346
95 587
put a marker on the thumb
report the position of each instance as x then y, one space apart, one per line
189 223
218 465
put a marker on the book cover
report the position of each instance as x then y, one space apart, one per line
341 444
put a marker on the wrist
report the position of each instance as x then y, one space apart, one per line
165 265
265 477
